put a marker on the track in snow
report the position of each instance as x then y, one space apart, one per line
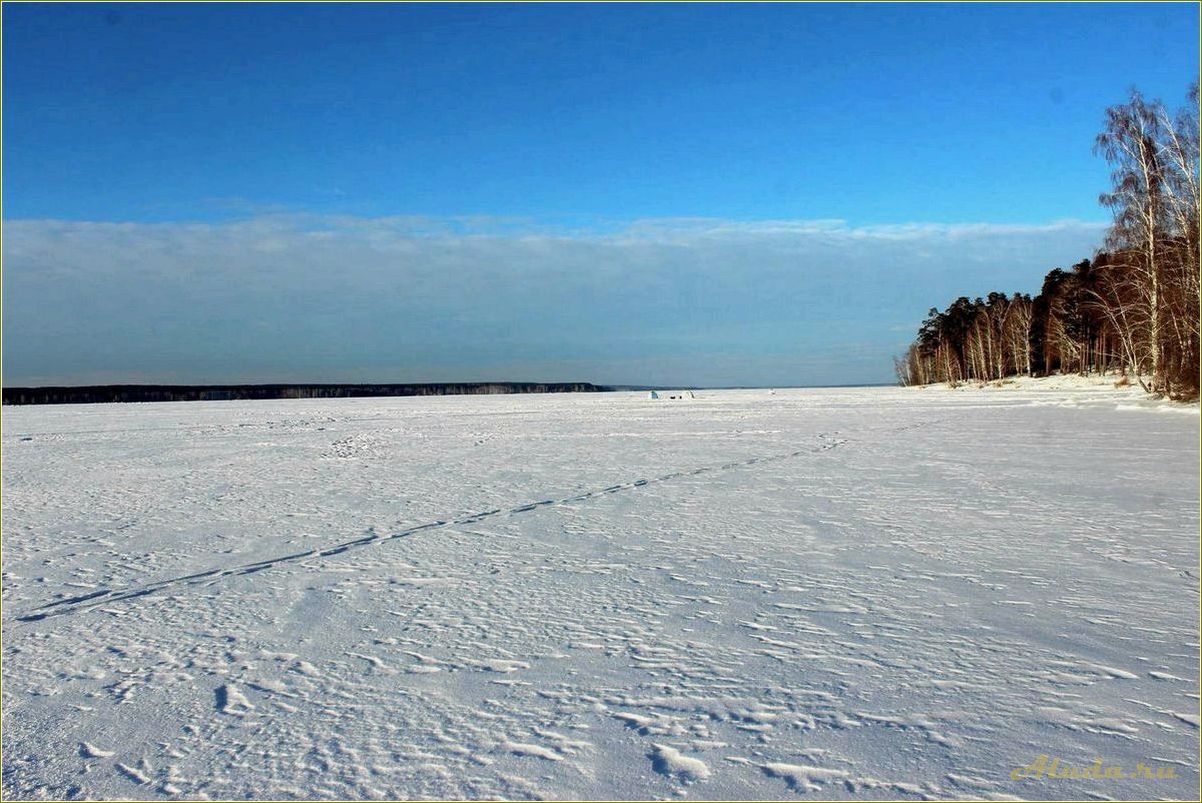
73 605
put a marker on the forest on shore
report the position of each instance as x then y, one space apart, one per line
110 394
1131 309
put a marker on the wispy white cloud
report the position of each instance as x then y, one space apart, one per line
300 297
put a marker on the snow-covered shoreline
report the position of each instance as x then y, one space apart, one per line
1074 386
853 593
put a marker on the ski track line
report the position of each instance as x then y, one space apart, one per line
72 605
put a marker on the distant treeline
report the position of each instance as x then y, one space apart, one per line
1132 309
161 393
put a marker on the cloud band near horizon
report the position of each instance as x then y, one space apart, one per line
285 298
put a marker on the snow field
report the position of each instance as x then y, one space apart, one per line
844 593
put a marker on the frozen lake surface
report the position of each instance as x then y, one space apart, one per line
845 593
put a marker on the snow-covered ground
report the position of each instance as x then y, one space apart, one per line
1127 387
844 593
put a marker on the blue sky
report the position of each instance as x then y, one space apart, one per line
708 194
